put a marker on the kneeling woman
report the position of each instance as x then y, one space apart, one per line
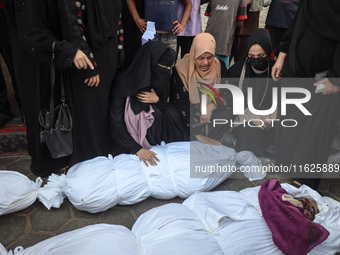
194 74
138 99
253 71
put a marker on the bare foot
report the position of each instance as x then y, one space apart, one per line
207 140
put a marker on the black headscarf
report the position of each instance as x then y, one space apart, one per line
145 73
102 21
260 36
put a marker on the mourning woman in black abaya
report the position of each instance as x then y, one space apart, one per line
92 26
311 46
138 99
253 71
35 25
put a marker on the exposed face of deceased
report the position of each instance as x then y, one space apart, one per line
310 207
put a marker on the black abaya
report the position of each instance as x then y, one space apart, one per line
37 24
6 53
90 105
311 45
34 26
120 132
248 138
176 120
147 71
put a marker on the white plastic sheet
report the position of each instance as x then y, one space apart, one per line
211 223
17 192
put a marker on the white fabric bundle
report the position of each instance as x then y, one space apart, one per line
250 165
225 222
17 192
100 183
91 240
214 223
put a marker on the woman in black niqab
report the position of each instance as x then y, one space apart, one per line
310 46
144 87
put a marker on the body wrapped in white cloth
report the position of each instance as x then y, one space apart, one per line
214 223
100 183
17 192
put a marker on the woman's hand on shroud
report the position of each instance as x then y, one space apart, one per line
81 61
330 88
93 81
148 97
147 156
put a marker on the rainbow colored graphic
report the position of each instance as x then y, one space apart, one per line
209 93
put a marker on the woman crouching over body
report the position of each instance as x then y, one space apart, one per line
139 97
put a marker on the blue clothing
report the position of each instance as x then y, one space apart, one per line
162 12
225 59
281 13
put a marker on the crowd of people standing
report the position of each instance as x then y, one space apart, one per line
126 99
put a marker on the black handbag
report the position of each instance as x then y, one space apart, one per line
58 136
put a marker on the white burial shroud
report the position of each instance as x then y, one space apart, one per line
100 183
207 223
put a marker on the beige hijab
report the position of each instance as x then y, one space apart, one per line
188 70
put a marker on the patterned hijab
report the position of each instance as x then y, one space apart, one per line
187 68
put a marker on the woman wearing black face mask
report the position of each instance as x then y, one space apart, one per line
258 63
253 71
